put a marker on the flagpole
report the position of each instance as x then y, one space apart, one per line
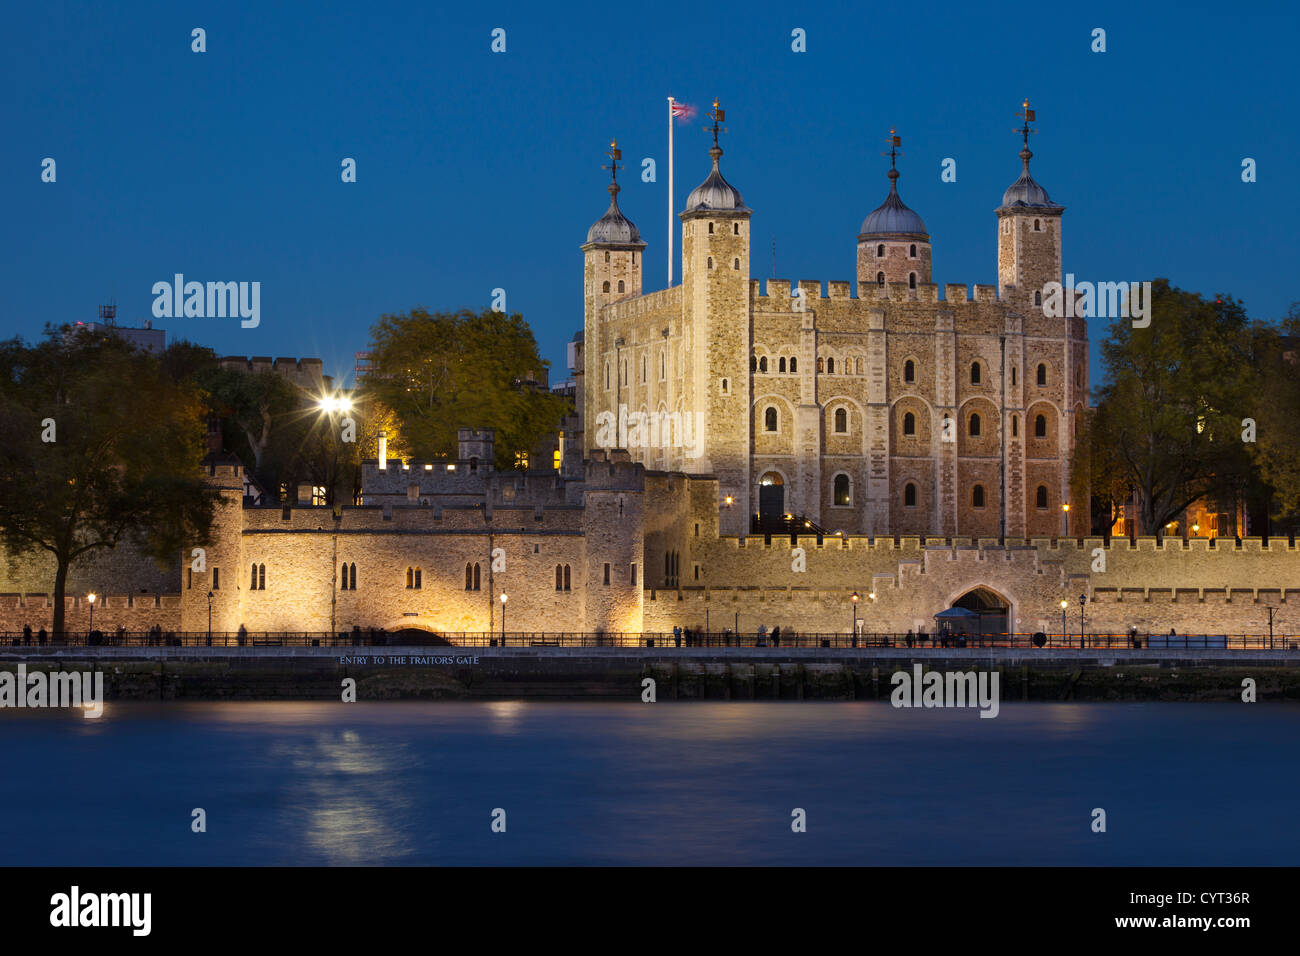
670 192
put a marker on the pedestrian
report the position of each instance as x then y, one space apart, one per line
776 636
1172 632
27 635
677 635
40 637
909 637
761 636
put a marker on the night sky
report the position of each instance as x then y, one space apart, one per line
478 170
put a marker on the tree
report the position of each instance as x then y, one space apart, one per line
250 405
1167 425
439 372
98 445
1276 411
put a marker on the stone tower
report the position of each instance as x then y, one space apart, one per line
893 245
612 260
1029 236
716 324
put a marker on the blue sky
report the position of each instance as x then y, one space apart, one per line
478 170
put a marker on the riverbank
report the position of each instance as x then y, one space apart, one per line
308 673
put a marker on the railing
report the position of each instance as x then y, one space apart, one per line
414 638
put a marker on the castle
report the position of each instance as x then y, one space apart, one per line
929 439
892 412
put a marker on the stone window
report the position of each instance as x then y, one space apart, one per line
909 423
605 286
781 364
974 429
909 495
725 387
607 563
762 364
1042 374
631 574
413 582
1038 225
1040 426
794 364
606 376
672 568
843 491
710 233
911 280
645 369
620 285
216 579
1015 425
348 576
911 252
607 257
909 371
663 366
562 579
735 263
473 573
880 279
710 257
1013 375
859 366
880 251
1040 498
977 496
735 228
1038 297
189 578
753 363
820 364
770 421
830 365
841 421
975 373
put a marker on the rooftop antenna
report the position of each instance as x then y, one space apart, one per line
108 313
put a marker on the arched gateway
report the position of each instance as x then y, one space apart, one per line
993 609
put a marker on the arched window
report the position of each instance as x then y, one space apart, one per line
911 280
977 496
352 574
794 364
841 421
974 425
620 285
1040 497
912 251
1038 297
413 578
469 577
880 252
819 364
1015 425
781 364
1042 374
735 228
607 257
975 373
909 371
559 577
858 363
769 419
1038 225
252 580
909 495
735 264
843 492
762 364
710 228
909 423
880 279
710 257
1013 375
567 581
1040 426
753 363
830 365
605 286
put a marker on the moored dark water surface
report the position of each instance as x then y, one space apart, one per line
631 783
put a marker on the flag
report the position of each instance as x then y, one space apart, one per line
684 110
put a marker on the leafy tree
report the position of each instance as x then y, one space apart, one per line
99 444
439 372
1167 425
250 405
1275 407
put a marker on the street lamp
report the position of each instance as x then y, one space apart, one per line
209 617
1065 518
503 619
854 632
1083 599
91 598
1064 604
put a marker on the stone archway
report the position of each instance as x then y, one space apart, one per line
993 609
771 497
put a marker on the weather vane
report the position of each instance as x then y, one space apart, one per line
717 114
1028 116
614 154
894 142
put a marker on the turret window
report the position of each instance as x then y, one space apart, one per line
1038 297
762 364
912 251
781 364
830 366
735 228
909 371
975 373
710 257
909 495
710 228
977 496
841 421
794 364
909 423
843 491
1040 498
1038 225
880 251
604 287
607 257
1015 425
1042 374
770 419
620 285
911 280
735 264
473 576
880 279
974 425
1040 426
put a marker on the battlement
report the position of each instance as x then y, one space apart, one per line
777 295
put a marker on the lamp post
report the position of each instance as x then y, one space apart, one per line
1065 519
503 618
854 632
91 598
1083 599
210 617
1064 605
